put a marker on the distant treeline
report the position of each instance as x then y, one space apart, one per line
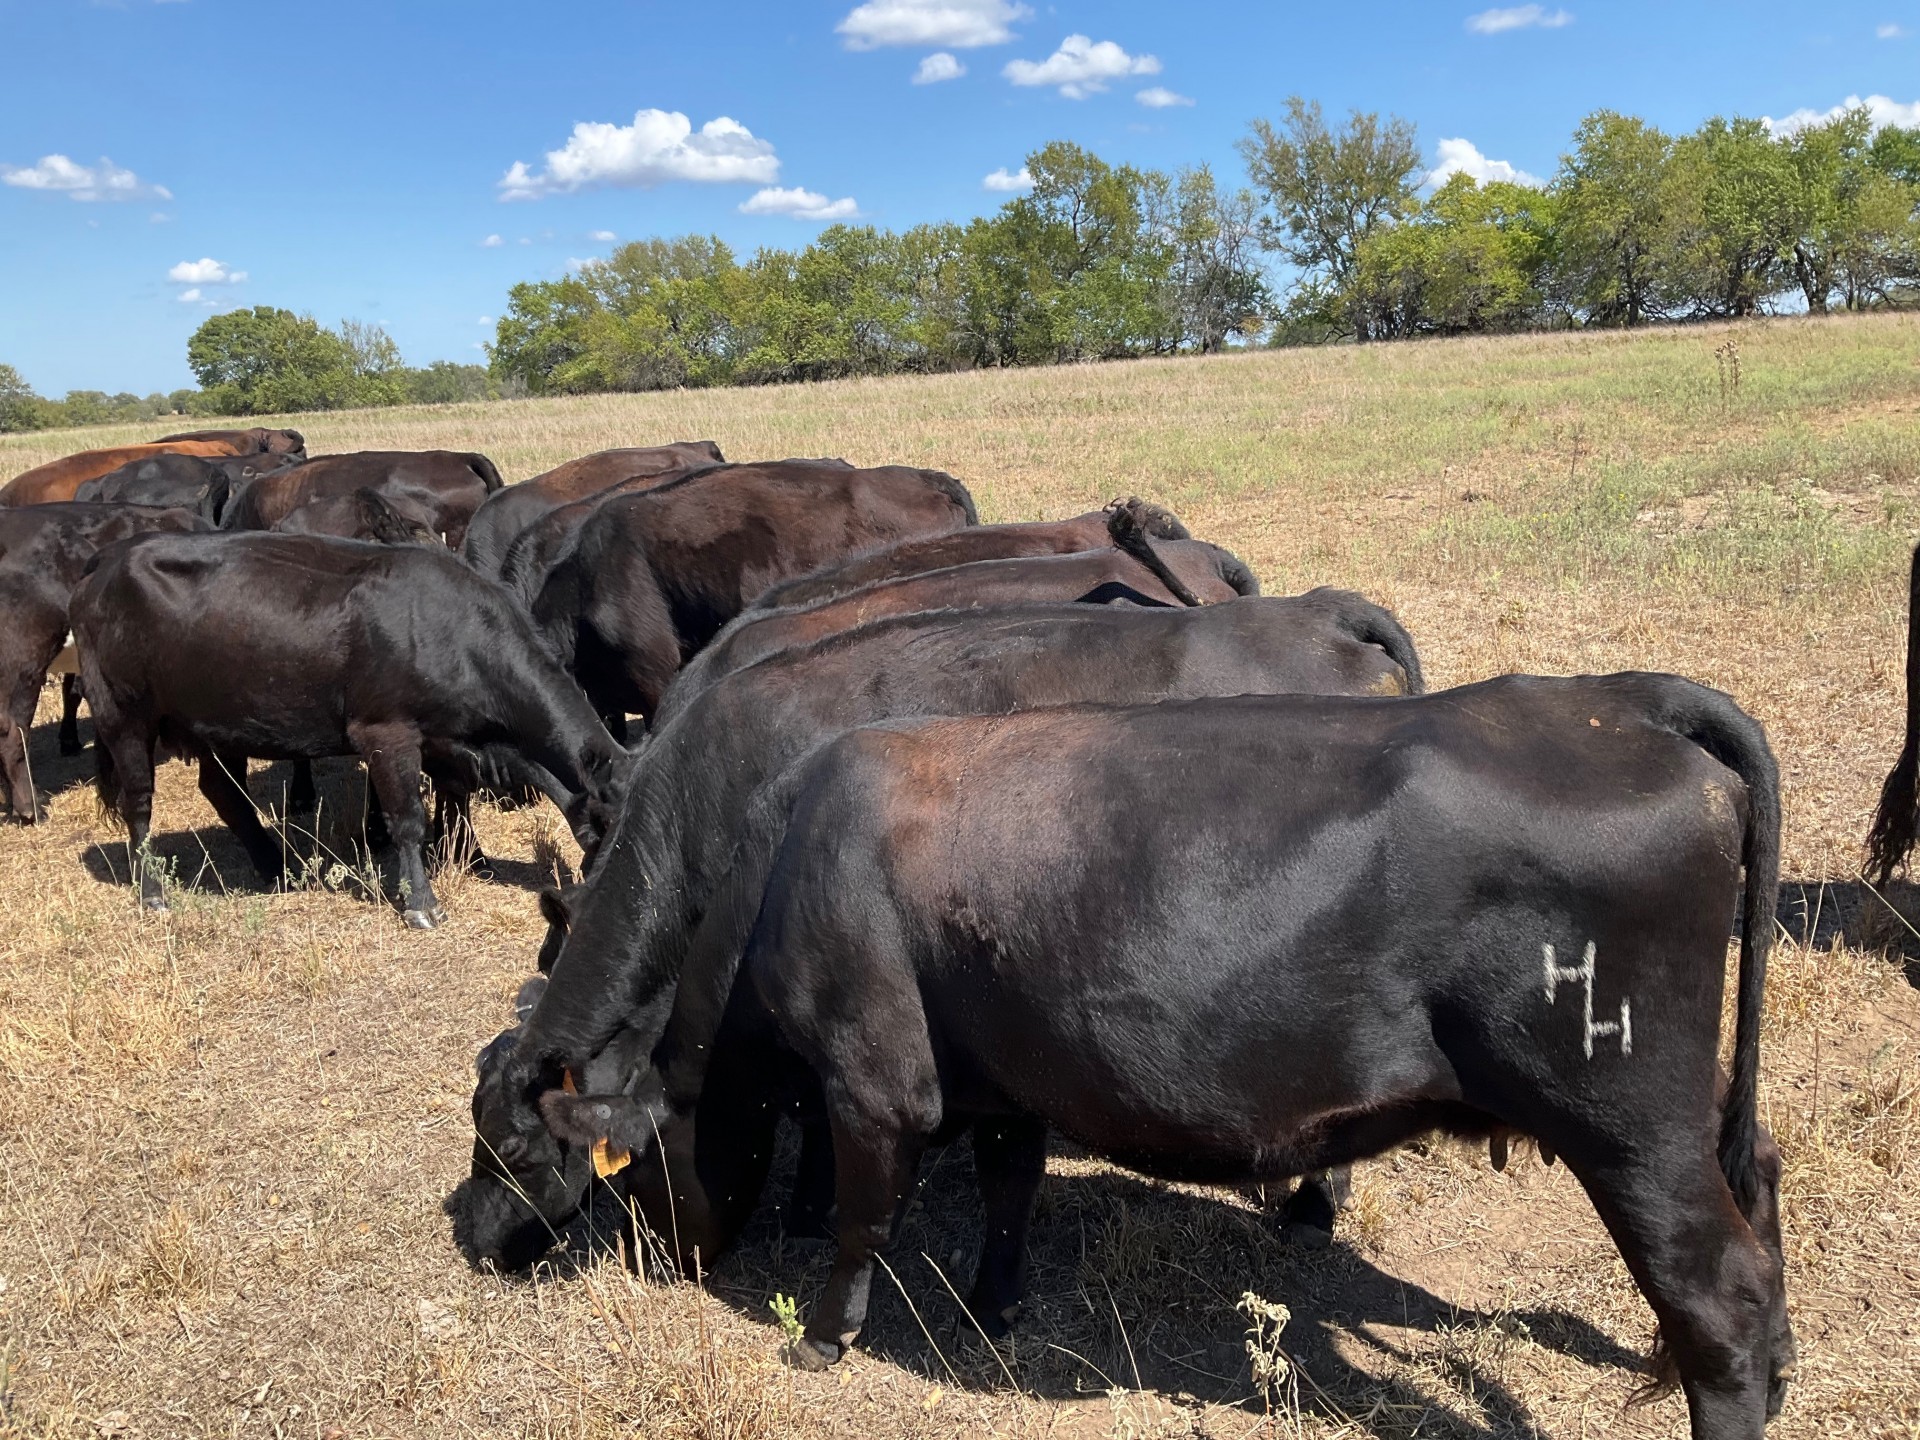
1340 234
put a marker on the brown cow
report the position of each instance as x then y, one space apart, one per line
57 480
508 514
259 440
447 486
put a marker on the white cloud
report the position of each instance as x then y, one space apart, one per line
1891 32
207 271
1002 179
1463 157
1881 112
187 297
105 181
799 203
492 242
659 146
1080 67
484 320
1518 17
937 67
962 24
601 235
1158 97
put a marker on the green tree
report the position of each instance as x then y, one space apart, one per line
22 409
1473 260
1614 236
265 360
1895 153
1732 201
1328 191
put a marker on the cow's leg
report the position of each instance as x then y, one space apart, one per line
128 759
223 780
16 726
302 797
1010 1159
1710 1281
70 698
810 1209
392 753
1317 1202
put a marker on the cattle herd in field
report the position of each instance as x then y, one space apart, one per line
930 827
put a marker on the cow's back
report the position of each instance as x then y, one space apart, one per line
59 479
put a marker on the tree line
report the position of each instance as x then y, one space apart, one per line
1339 234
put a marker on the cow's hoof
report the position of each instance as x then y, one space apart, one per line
423 919
156 907
815 1355
1306 1237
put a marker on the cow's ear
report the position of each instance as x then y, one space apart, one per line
618 1122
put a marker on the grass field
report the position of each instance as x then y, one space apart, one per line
225 1135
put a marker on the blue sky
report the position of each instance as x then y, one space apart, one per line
354 159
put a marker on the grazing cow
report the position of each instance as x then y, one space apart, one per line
982 542
1206 573
364 515
647 579
58 480
181 480
506 514
447 485
298 647
44 550
1231 939
258 440
1897 817
682 825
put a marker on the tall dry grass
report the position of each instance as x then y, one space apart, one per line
225 1136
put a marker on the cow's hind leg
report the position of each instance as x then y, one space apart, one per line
1010 1159
223 780
15 729
70 698
1309 1213
1710 1281
392 753
126 771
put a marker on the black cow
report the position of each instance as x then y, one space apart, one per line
682 825
363 515
44 550
647 579
1235 939
1897 816
983 542
297 647
1203 573
447 485
508 513
188 481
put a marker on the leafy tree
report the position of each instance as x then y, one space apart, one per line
1328 191
1895 153
1473 260
445 383
1732 202
1217 284
1614 234
20 407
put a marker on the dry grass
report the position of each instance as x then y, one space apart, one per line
225 1136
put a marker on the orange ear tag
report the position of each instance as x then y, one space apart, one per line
606 1159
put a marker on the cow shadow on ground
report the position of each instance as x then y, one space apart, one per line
55 774
1822 913
1134 1298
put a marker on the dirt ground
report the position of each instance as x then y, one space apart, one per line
226 1135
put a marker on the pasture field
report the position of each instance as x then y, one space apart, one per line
226 1135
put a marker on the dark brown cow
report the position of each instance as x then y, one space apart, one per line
647 579
44 550
363 515
192 481
510 512
261 440
448 486
57 480
982 542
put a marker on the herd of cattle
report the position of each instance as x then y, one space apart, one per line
934 827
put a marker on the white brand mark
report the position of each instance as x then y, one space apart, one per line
1583 972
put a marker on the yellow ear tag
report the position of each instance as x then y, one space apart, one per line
606 1159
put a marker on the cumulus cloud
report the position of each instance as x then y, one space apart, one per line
799 203
105 181
1881 112
937 67
1518 17
492 242
484 320
1003 179
961 24
206 271
1081 67
1891 32
1463 157
187 297
601 235
659 146
1158 97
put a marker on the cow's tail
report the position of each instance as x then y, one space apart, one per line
1734 738
1372 624
1236 572
1898 815
955 491
1127 525
488 472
